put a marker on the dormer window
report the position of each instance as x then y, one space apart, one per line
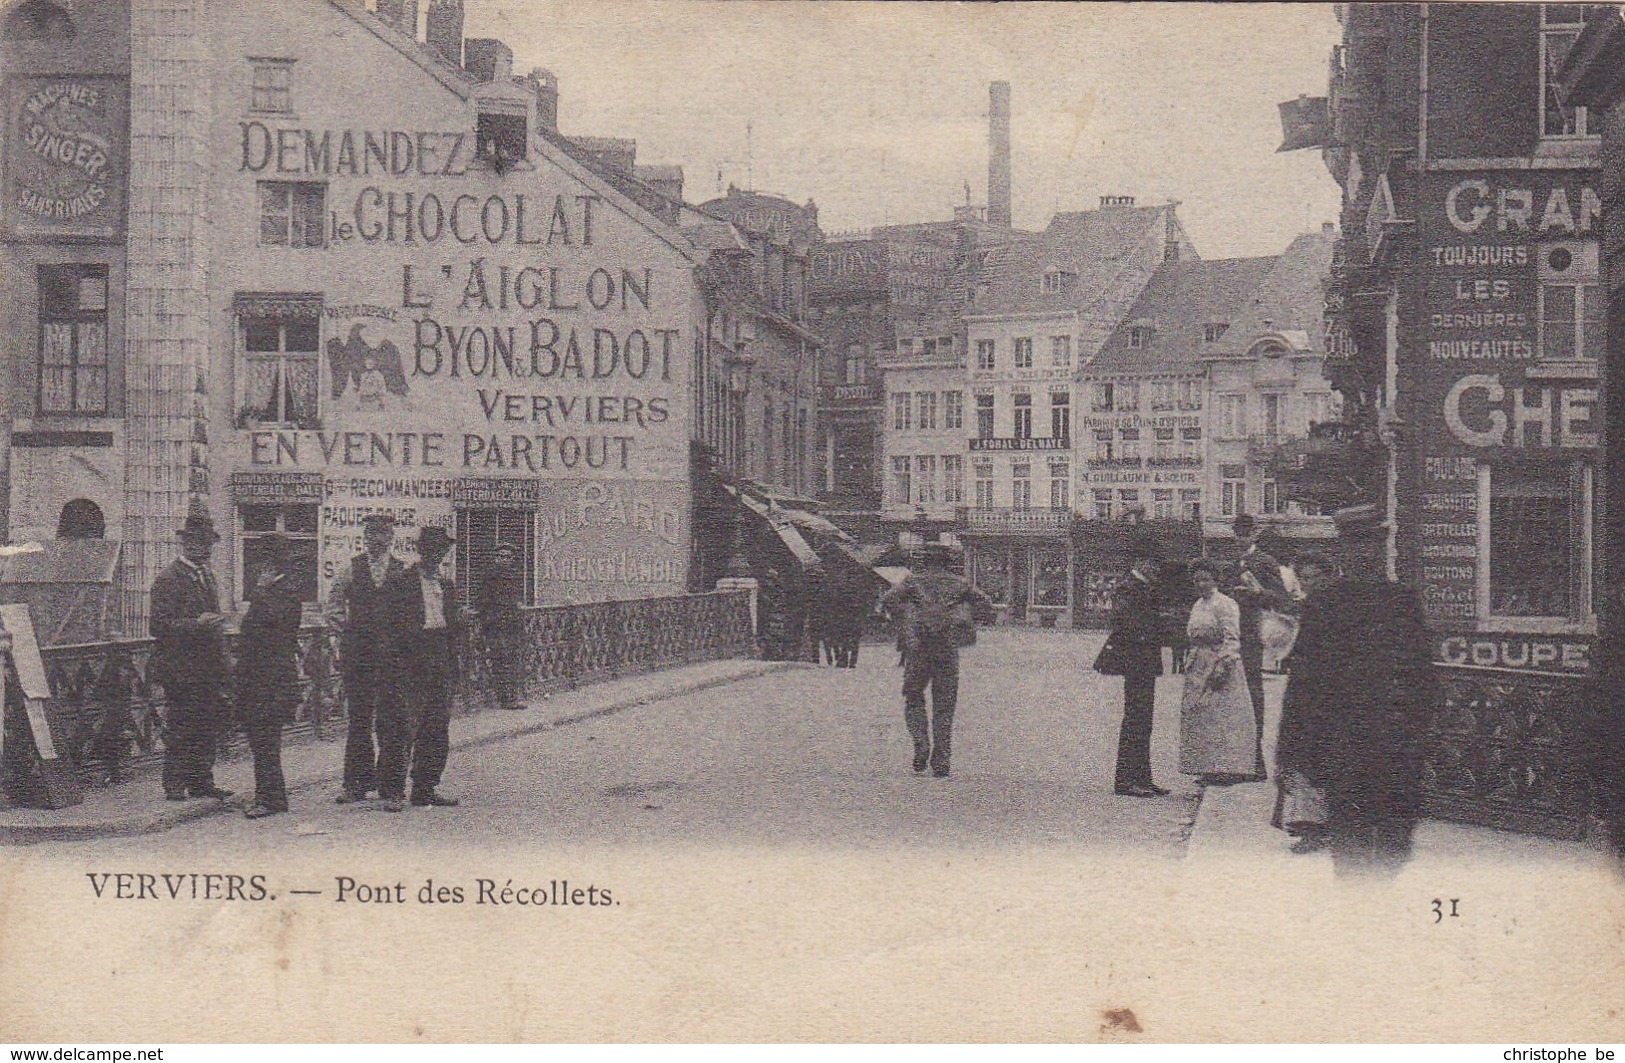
1214 331
1056 279
500 139
1140 335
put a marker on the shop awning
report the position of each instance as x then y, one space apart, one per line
781 525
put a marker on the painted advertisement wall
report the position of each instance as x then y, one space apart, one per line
434 337
66 157
1510 400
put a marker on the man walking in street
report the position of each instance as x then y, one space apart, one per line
267 673
1257 587
425 635
1136 641
501 596
356 608
189 662
937 609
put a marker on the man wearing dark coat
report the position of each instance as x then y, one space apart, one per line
499 601
1136 637
1257 587
1361 691
189 662
357 609
267 673
425 636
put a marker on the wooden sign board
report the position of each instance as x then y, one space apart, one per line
61 784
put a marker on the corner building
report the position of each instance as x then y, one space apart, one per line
364 276
1466 326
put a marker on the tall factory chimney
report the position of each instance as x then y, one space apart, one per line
998 154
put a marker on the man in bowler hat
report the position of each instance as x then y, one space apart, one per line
425 635
267 673
356 608
1257 586
189 662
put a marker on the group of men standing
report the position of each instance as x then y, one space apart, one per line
400 631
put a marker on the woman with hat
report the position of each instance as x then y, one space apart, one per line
268 671
189 662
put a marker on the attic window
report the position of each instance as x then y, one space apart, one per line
1056 279
1211 333
1140 335
500 139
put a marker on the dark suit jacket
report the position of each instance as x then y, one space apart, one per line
1137 628
267 673
185 653
409 646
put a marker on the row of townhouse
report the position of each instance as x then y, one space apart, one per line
1106 374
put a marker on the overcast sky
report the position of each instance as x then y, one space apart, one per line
878 110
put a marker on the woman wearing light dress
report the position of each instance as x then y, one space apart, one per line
1216 728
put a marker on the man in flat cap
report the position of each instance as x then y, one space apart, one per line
500 599
425 635
267 672
356 609
189 662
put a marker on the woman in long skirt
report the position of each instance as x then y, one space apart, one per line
1216 728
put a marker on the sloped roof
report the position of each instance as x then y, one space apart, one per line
1289 300
1090 246
1179 302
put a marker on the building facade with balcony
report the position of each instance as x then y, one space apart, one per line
1267 390
1041 308
1467 322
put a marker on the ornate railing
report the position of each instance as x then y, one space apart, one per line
115 718
1502 750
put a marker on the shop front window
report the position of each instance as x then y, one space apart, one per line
1538 525
1050 578
295 522
990 572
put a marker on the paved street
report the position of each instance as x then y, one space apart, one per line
775 870
811 756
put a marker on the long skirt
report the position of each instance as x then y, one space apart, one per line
1216 728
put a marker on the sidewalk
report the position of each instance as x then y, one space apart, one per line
137 806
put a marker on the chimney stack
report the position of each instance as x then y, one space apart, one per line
443 31
998 154
546 87
402 14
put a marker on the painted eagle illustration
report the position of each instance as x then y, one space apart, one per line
348 359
